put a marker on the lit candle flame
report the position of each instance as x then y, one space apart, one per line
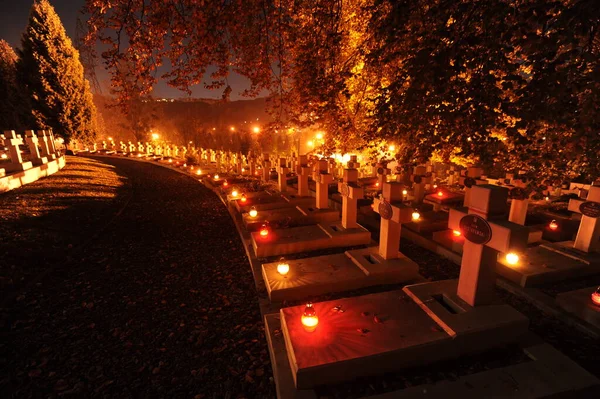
512 258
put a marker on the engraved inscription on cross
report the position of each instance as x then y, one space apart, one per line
486 234
351 193
588 235
322 178
393 213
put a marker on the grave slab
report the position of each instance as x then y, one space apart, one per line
579 303
548 374
349 344
262 202
289 216
374 265
334 273
567 249
322 215
429 222
478 327
540 265
307 238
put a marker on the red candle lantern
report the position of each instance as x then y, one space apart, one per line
264 230
553 225
309 318
243 199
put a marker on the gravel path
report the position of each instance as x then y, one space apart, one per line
161 304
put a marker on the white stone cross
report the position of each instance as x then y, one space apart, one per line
588 235
472 177
266 167
322 178
382 172
519 202
12 141
45 145
419 179
393 213
484 239
32 143
303 172
351 192
282 171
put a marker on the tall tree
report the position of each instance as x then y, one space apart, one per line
53 76
14 108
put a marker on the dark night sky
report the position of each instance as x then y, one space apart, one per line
13 19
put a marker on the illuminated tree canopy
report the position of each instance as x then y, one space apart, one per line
493 82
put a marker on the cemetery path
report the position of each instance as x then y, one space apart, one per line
161 304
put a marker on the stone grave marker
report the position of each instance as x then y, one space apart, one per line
484 239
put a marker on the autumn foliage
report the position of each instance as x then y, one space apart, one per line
499 82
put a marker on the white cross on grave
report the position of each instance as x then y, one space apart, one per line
382 172
131 147
303 172
471 177
393 213
519 202
282 171
588 235
12 141
45 145
140 147
51 142
32 143
322 178
351 192
266 168
419 179
485 236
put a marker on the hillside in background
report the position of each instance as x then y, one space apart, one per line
179 120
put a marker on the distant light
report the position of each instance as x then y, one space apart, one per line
392 147
199 172
232 129
310 143
440 194
155 136
225 184
404 192
234 193
4 156
253 212
377 184
319 136
416 215
216 177
243 199
256 129
547 199
512 258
